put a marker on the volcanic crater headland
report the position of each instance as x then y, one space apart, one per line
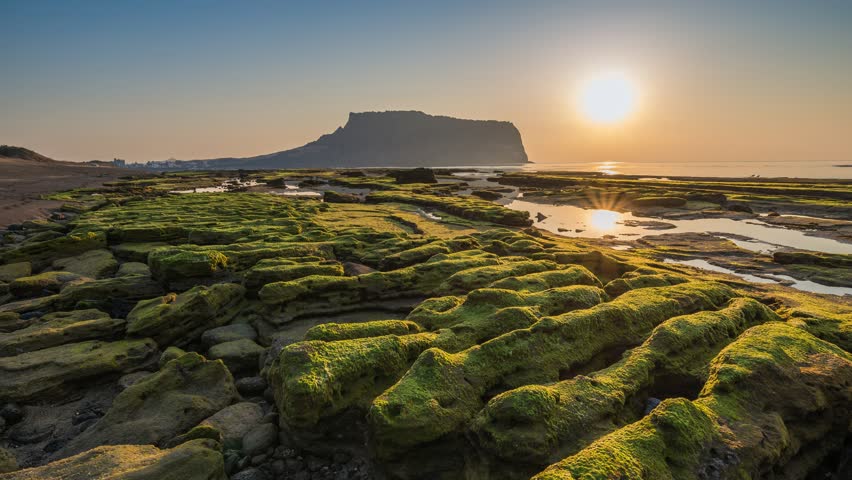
394 139
394 331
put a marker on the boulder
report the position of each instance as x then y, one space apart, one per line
181 319
228 333
169 354
235 421
115 295
44 373
11 321
42 253
159 407
15 270
238 355
93 264
43 284
59 328
259 439
133 268
193 460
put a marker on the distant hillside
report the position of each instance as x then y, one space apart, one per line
395 139
11 151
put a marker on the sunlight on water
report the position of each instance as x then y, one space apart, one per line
605 220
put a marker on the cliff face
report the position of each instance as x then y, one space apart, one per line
401 139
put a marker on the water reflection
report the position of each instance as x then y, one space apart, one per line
604 220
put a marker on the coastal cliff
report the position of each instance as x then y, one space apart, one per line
396 139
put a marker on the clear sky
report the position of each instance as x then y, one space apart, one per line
149 80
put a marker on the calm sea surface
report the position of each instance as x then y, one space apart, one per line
814 169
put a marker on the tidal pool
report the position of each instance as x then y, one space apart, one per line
572 221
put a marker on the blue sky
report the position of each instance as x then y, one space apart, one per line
142 80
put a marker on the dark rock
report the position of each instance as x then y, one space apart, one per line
708 197
251 386
26 433
12 413
331 196
228 333
651 404
294 464
415 175
260 438
487 194
352 269
259 459
773 214
131 378
739 207
540 216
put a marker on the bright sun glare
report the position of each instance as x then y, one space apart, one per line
608 97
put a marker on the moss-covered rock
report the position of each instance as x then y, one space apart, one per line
97 263
58 328
168 403
316 379
133 268
49 372
11 321
193 460
534 422
239 355
12 271
181 319
170 264
633 280
330 196
329 332
42 254
136 252
442 391
43 284
275 271
116 295
771 404
8 462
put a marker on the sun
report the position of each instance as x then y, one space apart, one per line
608 97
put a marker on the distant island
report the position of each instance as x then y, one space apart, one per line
388 139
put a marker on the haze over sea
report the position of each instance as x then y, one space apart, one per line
765 169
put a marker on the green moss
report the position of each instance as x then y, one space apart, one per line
42 254
181 319
479 277
634 280
43 283
57 370
442 392
93 264
316 379
195 460
749 413
109 294
262 274
329 332
58 328
469 207
532 423
170 264
160 406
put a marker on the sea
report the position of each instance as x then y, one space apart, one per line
748 169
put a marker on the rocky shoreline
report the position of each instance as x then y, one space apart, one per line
401 329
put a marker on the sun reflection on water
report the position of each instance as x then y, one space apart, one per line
607 168
605 220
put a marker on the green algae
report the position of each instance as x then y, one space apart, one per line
532 423
748 415
329 332
180 319
442 391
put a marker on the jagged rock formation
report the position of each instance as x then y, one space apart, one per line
395 139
